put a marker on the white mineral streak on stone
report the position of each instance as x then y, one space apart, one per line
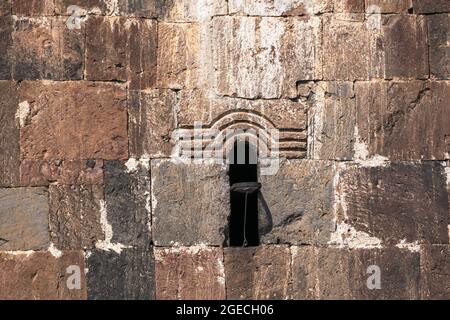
106 244
54 251
362 154
275 7
27 254
411 246
112 7
447 171
22 113
316 124
347 236
339 196
133 164
221 276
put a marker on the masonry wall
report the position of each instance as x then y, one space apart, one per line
359 90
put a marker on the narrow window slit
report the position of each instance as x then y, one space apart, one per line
243 172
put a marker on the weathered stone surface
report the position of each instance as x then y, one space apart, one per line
300 198
257 273
279 8
438 35
75 216
328 273
40 276
400 202
9 133
190 273
403 120
92 6
5 7
191 11
72 172
33 7
190 203
349 6
126 276
23 219
431 6
269 56
76 120
121 49
127 199
151 122
44 48
133 8
435 272
388 6
6 40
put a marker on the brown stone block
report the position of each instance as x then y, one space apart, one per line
279 8
5 8
41 276
60 123
393 204
261 273
349 6
6 27
403 120
44 48
33 7
190 11
300 198
435 272
75 216
129 8
388 6
431 6
151 122
92 6
121 49
438 35
189 273
23 219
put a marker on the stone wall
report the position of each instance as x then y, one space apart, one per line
90 98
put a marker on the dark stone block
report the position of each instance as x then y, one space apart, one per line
431 6
435 268
438 35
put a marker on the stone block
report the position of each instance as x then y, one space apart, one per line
33 7
5 8
349 6
438 35
279 8
435 272
6 27
388 6
430 6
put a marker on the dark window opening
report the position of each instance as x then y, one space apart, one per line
243 227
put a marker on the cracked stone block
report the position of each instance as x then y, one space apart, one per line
116 50
431 6
269 56
33 7
388 6
127 200
331 273
190 203
41 276
9 131
279 8
260 273
190 273
151 122
60 123
349 6
44 48
73 172
438 35
6 27
392 204
5 8
435 272
129 275
300 199
24 219
403 120
74 218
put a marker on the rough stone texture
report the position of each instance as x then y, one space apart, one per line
277 52
151 122
279 8
44 48
125 51
134 8
190 203
125 276
388 6
349 6
435 272
91 6
40 276
6 40
72 172
257 273
191 11
431 6
438 34
5 7
300 198
403 120
401 202
64 124
33 7
127 199
74 219
328 273
9 131
23 219
192 273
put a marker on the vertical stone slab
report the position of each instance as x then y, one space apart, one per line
438 35
6 27
258 273
190 273
23 219
129 275
33 7
435 272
